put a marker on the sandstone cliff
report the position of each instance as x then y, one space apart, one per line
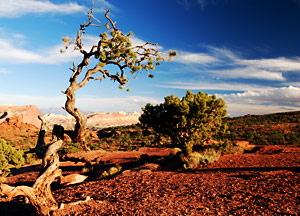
95 120
27 114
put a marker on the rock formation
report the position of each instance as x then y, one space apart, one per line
95 120
28 114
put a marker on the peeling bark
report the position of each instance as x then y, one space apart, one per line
39 194
80 125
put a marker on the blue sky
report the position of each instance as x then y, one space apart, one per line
246 52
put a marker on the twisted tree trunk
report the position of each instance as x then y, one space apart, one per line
80 125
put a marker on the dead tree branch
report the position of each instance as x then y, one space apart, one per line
40 195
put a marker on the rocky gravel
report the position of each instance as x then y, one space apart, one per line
265 181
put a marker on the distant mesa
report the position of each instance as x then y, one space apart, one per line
29 113
95 120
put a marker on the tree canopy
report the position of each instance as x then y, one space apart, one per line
113 48
189 122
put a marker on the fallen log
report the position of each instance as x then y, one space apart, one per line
40 195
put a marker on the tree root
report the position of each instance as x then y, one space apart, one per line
40 195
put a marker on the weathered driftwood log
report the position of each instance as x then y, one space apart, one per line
39 194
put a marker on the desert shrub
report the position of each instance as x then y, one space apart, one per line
276 138
31 158
74 147
293 139
112 171
69 148
194 159
227 147
189 122
9 157
94 146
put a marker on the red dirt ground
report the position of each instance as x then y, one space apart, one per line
264 181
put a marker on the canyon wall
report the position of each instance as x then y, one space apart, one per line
95 120
29 114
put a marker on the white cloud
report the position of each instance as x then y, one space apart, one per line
281 64
287 95
252 99
236 106
9 52
17 8
202 85
194 58
227 64
3 70
115 104
249 73
295 84
40 101
54 56
103 5
223 54
244 109
85 104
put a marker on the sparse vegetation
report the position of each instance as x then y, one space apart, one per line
193 159
270 129
9 157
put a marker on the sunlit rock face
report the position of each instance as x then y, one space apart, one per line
27 114
95 119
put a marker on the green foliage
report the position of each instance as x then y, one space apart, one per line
116 48
112 171
126 138
228 147
193 159
189 122
270 129
70 148
9 156
31 158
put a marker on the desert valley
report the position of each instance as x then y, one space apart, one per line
128 176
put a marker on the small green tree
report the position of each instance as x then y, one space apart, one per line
9 157
189 122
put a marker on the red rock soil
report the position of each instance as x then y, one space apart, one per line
264 181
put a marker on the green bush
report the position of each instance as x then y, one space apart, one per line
189 122
9 157
194 159
74 147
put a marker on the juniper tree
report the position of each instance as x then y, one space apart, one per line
189 122
113 48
